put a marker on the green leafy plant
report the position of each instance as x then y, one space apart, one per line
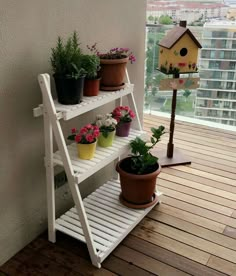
66 58
91 64
142 161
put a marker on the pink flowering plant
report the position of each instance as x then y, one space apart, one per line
114 53
86 135
123 114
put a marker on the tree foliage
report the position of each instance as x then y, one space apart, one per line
165 20
186 93
150 18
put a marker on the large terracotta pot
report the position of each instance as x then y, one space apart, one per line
112 73
137 191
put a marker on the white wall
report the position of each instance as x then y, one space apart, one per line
28 30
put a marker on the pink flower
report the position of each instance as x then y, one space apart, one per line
78 138
83 130
123 114
73 130
96 133
117 119
86 135
89 138
132 114
113 53
89 126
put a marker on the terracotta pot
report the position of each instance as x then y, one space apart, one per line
137 189
112 73
91 87
122 129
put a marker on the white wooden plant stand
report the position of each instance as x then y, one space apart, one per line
99 220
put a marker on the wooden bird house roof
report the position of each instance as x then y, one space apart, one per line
174 35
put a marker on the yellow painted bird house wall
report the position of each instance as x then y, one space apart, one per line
178 52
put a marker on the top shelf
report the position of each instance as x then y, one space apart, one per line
68 112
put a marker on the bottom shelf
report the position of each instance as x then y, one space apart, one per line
109 220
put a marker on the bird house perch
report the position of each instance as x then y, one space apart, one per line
178 51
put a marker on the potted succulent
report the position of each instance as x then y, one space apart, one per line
124 116
91 64
86 139
68 74
107 127
139 171
113 67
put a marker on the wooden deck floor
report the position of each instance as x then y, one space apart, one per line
192 232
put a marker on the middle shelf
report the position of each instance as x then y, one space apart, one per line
103 156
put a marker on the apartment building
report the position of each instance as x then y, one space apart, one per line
189 11
216 96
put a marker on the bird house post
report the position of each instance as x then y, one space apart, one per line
178 54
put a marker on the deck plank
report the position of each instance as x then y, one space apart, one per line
192 240
168 257
190 217
180 224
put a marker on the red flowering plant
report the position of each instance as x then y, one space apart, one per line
123 114
86 135
114 53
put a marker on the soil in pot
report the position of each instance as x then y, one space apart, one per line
69 90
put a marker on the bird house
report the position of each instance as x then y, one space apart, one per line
178 51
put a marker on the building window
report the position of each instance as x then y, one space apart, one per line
232 65
229 85
230 75
217 75
212 54
214 64
219 34
223 43
227 104
222 54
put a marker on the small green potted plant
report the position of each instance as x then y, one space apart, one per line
91 64
113 66
107 127
139 171
66 62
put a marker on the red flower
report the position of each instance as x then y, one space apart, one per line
78 138
90 138
86 135
123 114
73 130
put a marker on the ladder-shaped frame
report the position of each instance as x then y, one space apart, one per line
99 220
